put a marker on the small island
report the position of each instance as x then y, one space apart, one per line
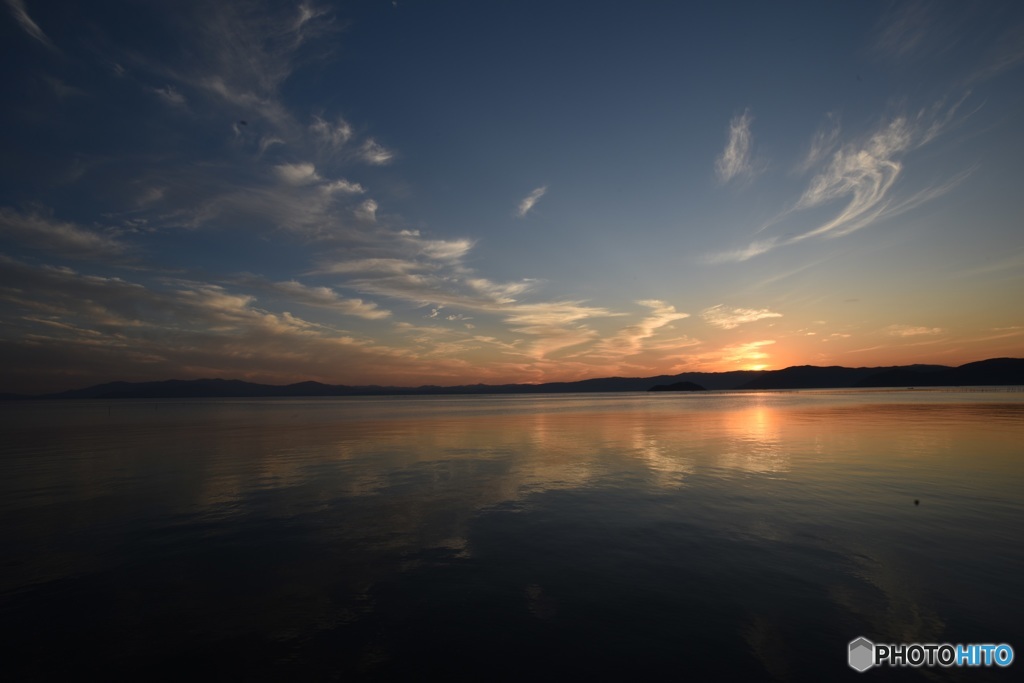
678 386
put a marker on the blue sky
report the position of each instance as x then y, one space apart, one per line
455 192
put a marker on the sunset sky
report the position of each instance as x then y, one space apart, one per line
452 192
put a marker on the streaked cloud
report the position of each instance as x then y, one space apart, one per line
730 318
383 266
367 211
747 352
327 298
437 249
17 8
1006 53
61 89
102 327
374 153
904 30
499 292
332 134
631 339
342 186
151 196
297 174
735 159
822 143
170 95
44 232
530 200
862 172
290 292
912 331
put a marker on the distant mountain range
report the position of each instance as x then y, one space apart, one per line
995 371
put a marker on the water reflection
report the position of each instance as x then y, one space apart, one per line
340 537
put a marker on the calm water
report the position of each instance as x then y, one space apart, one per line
572 536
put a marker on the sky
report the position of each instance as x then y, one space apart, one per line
450 192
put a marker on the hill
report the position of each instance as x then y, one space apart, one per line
995 371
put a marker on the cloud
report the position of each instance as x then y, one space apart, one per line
746 253
1005 53
373 153
735 158
912 331
438 249
268 141
536 317
297 174
62 323
241 54
326 297
30 27
746 352
730 318
502 293
864 173
381 266
904 31
170 95
61 89
823 143
333 135
342 186
60 237
367 211
746 355
151 196
530 200
630 340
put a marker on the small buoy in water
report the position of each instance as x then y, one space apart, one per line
917 502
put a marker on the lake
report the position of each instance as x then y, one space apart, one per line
745 536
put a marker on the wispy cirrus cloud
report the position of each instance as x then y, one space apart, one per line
17 8
436 249
297 174
93 328
746 355
631 339
170 95
367 211
735 159
41 231
903 31
380 266
747 352
326 297
1006 53
822 143
295 292
530 200
864 173
731 318
374 153
912 331
334 135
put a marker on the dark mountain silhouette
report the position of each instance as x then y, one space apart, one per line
678 386
831 377
223 388
995 371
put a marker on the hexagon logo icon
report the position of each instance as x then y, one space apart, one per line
862 654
